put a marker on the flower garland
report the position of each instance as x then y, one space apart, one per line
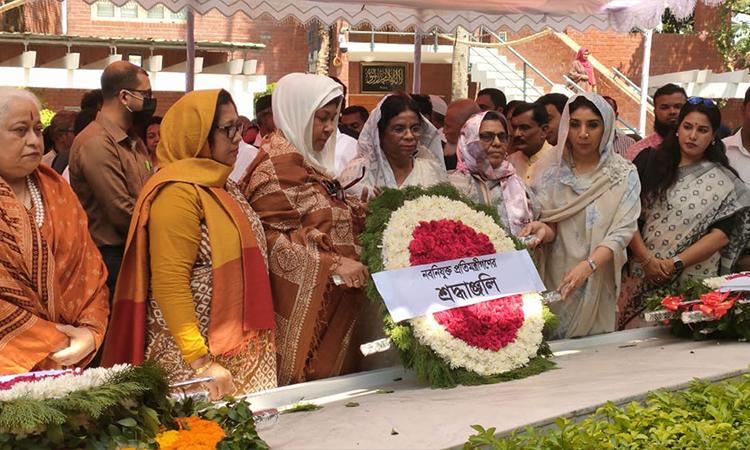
121 407
194 434
483 343
698 309
59 385
487 338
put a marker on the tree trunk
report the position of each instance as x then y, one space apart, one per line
460 72
324 32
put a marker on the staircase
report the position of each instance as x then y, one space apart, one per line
492 70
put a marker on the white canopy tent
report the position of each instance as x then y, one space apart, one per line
447 15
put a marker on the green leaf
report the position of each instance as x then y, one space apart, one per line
352 405
127 422
393 432
55 433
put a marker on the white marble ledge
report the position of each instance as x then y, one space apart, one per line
618 367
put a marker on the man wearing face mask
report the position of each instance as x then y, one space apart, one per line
109 166
668 101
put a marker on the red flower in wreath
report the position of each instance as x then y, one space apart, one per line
488 325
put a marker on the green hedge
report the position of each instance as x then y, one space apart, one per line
705 416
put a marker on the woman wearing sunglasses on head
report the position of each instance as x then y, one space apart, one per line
485 175
397 147
695 217
193 292
311 228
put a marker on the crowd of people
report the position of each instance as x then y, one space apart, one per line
228 248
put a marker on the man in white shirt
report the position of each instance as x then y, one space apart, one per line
738 153
738 145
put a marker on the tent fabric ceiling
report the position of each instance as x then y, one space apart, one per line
446 15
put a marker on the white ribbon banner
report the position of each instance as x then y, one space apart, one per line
740 283
430 288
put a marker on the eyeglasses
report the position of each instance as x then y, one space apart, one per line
488 137
400 130
705 101
232 130
335 190
146 94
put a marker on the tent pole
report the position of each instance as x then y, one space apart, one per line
644 81
417 81
190 62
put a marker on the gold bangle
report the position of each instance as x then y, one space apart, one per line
645 261
204 368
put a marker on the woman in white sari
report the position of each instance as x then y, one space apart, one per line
590 206
397 147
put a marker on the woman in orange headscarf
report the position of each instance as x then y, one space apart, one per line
53 297
193 292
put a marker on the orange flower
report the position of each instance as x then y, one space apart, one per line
194 434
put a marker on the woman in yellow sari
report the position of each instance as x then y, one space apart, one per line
193 292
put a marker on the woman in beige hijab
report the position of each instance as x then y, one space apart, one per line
590 206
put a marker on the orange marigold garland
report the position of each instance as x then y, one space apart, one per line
194 434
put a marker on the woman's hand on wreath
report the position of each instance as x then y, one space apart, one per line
536 228
223 383
574 279
354 273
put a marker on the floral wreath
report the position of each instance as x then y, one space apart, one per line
488 342
698 309
123 407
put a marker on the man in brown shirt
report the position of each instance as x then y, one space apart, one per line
109 166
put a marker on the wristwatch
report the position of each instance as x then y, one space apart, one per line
678 264
592 264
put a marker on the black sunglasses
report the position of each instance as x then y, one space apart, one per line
335 190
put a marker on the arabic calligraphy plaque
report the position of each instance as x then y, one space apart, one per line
383 77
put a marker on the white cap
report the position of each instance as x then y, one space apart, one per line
438 105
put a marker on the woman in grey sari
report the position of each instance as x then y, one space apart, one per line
694 221
590 206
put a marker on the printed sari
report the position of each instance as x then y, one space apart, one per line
229 287
704 194
49 276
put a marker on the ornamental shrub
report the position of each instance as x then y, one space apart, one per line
705 416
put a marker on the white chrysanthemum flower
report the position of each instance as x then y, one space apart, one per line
60 386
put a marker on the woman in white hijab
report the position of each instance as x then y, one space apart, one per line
311 227
590 200
397 147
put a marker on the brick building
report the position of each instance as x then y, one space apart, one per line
289 46
285 45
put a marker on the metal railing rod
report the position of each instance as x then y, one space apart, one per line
518 55
630 83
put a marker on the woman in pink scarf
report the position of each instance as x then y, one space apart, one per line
582 72
485 176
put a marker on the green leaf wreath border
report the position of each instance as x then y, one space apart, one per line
427 365
128 410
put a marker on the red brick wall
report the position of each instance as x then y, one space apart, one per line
669 52
58 99
43 17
